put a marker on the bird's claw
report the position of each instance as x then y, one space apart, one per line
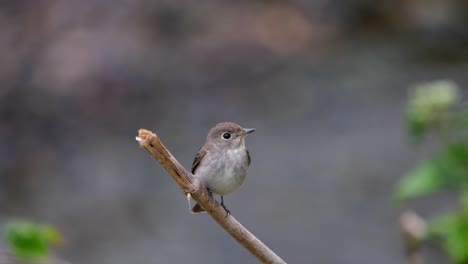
228 213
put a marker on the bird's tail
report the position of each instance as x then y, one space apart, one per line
197 209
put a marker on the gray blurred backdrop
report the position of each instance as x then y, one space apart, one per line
323 82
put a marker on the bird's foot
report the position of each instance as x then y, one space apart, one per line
228 213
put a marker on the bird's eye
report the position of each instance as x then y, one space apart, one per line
226 136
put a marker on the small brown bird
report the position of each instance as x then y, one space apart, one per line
221 163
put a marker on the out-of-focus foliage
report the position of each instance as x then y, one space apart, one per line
434 107
29 240
449 169
452 229
422 180
429 105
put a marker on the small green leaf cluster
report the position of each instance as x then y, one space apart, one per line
28 240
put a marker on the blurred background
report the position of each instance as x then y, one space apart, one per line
323 82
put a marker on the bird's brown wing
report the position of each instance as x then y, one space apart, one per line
248 157
201 153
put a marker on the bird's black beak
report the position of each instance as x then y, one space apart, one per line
248 130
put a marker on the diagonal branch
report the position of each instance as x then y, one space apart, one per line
191 185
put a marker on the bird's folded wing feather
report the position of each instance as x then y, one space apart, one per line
201 153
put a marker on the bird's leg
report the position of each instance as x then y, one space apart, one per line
210 192
222 204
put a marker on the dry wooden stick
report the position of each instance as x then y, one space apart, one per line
191 185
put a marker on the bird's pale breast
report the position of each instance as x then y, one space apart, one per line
223 173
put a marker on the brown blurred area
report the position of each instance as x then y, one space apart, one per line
324 82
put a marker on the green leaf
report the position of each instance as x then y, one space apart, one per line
448 169
26 240
453 163
424 179
416 126
452 229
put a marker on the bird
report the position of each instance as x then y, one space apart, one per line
221 163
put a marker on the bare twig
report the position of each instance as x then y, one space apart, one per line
191 185
414 230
